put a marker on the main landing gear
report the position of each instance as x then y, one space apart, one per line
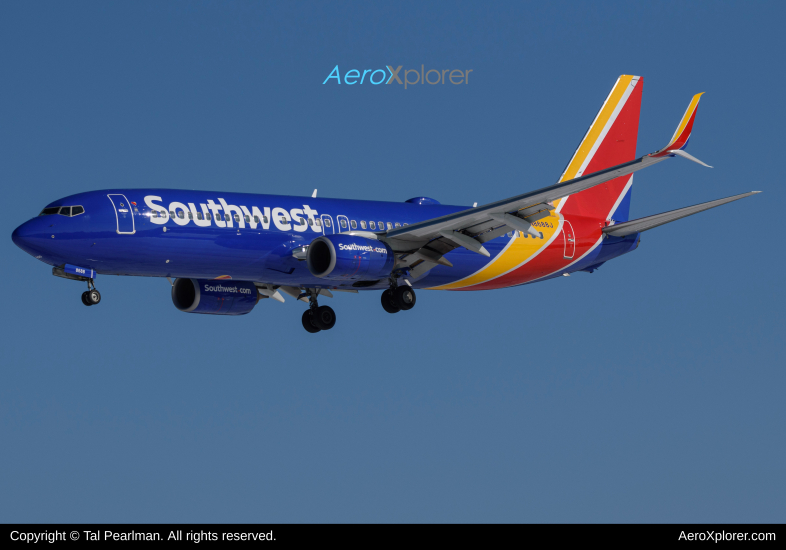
91 296
317 317
398 298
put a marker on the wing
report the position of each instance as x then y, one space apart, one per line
422 245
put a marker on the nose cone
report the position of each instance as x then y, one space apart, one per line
21 235
30 237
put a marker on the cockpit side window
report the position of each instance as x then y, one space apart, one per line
76 210
65 211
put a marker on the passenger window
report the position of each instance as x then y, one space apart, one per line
65 211
209 217
353 224
390 226
362 224
256 219
327 223
171 214
343 223
398 224
318 222
311 222
381 226
180 214
284 220
190 216
372 225
247 218
199 215
226 217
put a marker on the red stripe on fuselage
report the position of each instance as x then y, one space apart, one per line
588 231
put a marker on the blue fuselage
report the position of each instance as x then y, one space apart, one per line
209 235
247 236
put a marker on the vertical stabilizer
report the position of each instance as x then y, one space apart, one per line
610 140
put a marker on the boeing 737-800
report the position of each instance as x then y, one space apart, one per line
224 252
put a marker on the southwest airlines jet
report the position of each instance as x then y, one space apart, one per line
224 252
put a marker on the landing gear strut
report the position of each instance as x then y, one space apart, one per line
91 296
398 298
317 317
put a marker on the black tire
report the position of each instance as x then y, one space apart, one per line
93 296
405 297
324 317
389 302
308 322
85 299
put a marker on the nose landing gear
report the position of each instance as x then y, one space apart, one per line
91 296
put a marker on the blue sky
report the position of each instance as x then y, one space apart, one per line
650 390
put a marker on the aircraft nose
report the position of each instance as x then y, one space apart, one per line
29 237
21 235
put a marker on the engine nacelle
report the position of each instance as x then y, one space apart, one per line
214 297
349 258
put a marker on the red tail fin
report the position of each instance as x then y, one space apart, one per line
610 140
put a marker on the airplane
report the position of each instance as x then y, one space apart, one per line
225 252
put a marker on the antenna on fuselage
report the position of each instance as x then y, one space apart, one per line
314 194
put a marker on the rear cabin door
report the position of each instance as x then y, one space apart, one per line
327 224
570 239
124 214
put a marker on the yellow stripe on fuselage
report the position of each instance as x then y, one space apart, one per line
520 250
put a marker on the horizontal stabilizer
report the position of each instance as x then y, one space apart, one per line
643 224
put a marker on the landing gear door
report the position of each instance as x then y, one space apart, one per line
327 224
124 214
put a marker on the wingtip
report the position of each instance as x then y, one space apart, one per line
682 134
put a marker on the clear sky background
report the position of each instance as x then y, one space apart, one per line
651 390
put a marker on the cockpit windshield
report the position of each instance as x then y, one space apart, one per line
69 211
